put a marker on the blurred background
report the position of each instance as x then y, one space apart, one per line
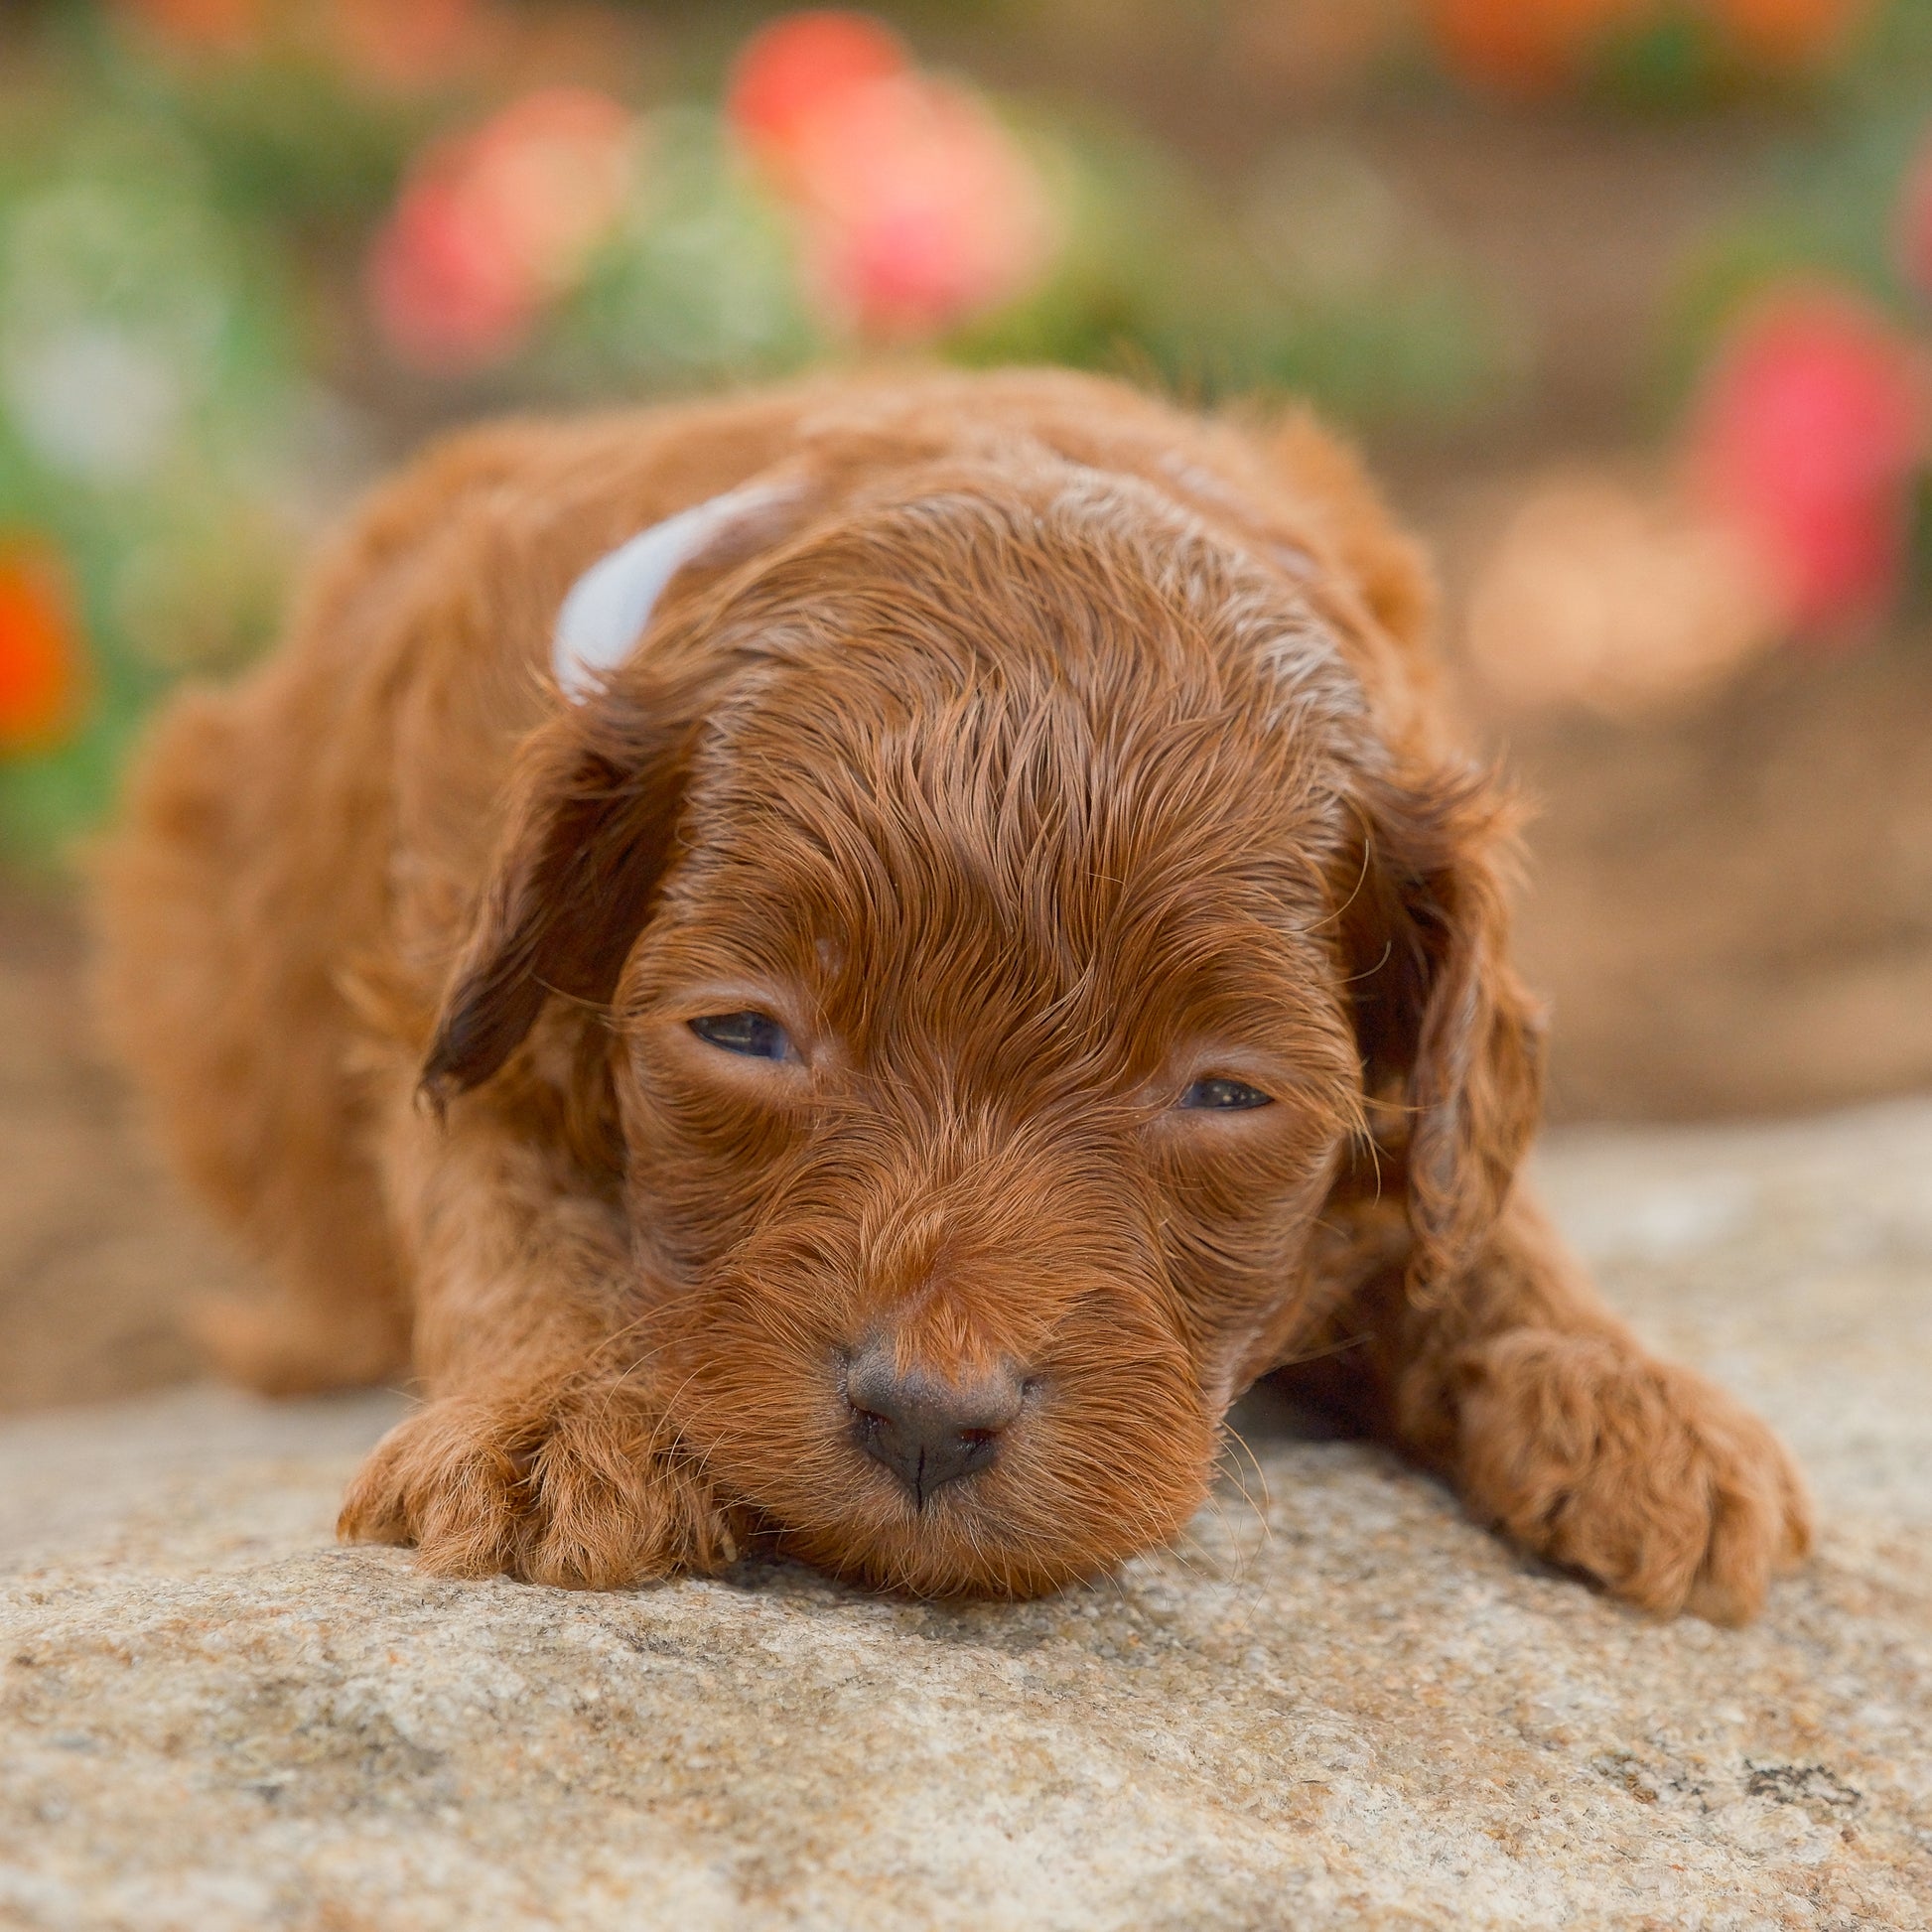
1629 303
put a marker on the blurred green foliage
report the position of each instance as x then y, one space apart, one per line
191 378
1831 204
184 345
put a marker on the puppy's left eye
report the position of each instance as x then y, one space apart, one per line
754 1034
1224 1096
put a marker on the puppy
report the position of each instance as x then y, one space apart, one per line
852 965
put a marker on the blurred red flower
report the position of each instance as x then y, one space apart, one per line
917 209
493 224
43 667
1806 436
796 71
1525 46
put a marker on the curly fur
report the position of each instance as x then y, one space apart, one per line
1038 750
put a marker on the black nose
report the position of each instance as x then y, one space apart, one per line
927 1431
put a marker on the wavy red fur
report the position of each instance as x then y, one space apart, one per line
1043 753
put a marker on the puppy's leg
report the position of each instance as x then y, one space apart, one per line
1561 1429
543 1449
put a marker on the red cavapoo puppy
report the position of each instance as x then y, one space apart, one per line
852 964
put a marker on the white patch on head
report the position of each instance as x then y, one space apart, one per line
606 609
1204 573
1204 483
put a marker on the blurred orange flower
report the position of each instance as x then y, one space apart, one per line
1531 47
917 209
493 224
1526 46
1806 436
42 665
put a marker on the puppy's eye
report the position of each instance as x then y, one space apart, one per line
1224 1096
754 1034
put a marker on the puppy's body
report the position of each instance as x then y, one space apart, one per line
1007 960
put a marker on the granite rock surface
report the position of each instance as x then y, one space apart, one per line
1338 1703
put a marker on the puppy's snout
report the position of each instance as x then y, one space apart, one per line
928 1431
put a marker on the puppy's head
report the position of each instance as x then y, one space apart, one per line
1006 913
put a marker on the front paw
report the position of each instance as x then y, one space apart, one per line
581 1488
1645 1475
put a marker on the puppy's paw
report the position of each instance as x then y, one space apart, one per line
1643 1474
581 1488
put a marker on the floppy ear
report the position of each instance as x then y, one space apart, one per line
592 802
1450 1042
592 815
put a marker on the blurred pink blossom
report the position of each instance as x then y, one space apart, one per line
917 209
1806 437
796 71
493 224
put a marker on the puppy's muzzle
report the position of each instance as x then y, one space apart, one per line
926 1430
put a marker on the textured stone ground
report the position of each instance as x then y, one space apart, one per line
1339 1705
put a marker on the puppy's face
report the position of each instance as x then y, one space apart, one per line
984 1046
983 1067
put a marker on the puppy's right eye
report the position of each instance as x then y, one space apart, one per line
1218 1094
754 1034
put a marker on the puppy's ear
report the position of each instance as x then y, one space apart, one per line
593 811
1450 1042
594 800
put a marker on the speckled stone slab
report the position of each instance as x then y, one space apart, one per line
1336 1705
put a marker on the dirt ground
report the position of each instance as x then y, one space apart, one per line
1732 913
